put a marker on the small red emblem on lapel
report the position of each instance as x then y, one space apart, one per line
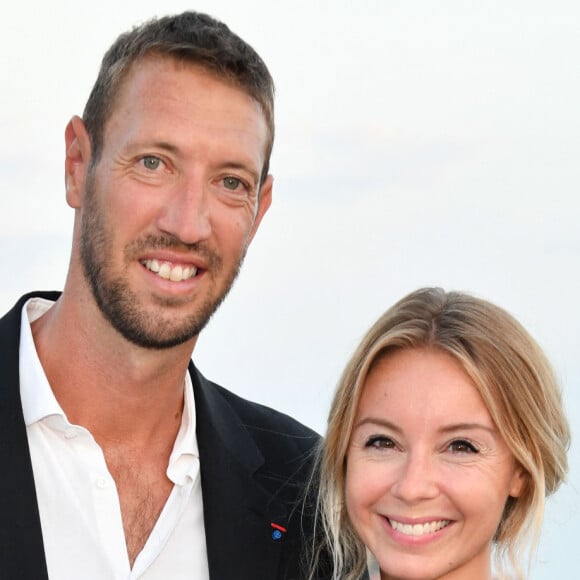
278 531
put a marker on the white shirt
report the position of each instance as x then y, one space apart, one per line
79 505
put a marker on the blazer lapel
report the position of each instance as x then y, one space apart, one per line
238 511
21 546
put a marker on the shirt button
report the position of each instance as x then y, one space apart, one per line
101 482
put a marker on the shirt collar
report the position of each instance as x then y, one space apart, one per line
182 462
38 400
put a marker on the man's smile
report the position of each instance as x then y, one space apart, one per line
170 270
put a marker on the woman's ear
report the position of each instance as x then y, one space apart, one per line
518 482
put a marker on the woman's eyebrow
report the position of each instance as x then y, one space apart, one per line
467 426
452 427
379 422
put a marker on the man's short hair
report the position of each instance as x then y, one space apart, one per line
190 37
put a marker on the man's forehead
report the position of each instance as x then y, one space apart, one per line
166 64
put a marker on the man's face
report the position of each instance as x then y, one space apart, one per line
173 202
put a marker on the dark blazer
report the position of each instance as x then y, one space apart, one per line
254 462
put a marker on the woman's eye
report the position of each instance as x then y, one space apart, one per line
463 446
380 442
232 183
151 163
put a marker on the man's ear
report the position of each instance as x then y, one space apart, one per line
264 201
77 160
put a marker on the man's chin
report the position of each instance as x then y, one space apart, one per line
156 338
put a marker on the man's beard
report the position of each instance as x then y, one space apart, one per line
119 304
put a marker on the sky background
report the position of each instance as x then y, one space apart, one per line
418 143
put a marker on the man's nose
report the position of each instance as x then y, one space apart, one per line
186 213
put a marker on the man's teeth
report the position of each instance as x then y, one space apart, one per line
168 272
418 529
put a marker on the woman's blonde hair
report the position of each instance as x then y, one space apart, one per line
516 383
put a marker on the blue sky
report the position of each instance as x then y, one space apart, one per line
418 143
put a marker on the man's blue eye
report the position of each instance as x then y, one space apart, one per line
231 183
151 163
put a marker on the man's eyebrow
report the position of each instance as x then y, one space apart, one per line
165 145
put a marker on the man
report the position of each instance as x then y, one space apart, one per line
120 460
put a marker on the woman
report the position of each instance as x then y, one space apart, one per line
445 435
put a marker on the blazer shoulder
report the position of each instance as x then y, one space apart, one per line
270 422
287 446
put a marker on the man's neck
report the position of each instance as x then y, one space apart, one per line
117 390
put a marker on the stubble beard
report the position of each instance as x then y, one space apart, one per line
158 329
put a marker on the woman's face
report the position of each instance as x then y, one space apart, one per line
428 474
